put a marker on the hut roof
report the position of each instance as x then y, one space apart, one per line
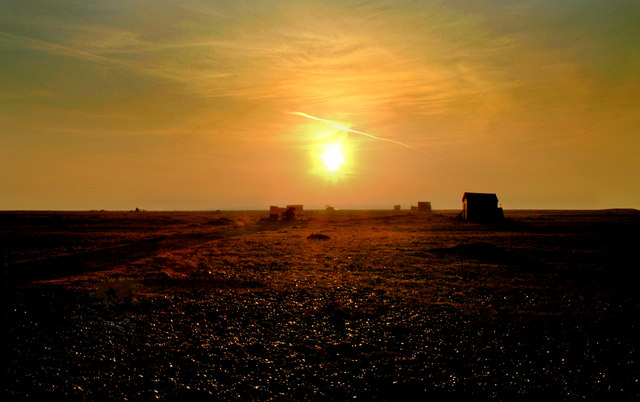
480 197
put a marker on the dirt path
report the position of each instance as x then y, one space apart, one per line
105 258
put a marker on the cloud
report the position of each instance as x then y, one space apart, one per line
422 60
27 93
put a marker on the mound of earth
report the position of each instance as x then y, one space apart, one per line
318 236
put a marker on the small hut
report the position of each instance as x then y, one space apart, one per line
287 213
424 207
297 208
481 207
274 212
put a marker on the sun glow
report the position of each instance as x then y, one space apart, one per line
333 157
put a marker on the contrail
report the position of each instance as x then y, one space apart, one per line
375 137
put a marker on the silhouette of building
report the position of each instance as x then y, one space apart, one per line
396 207
481 207
297 208
287 213
275 210
424 207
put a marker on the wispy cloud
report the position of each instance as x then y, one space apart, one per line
27 93
10 39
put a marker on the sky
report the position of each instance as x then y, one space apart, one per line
181 105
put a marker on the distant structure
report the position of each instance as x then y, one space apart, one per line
396 207
481 207
298 208
424 207
287 213
274 212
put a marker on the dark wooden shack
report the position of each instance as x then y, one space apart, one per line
481 207
424 207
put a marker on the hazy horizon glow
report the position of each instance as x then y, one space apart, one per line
187 105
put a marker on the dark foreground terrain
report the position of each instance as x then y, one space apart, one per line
349 305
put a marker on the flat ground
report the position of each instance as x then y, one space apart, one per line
382 305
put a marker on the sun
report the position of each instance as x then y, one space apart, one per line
333 157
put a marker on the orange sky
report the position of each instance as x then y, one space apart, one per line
186 105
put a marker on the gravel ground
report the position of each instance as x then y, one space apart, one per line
389 308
